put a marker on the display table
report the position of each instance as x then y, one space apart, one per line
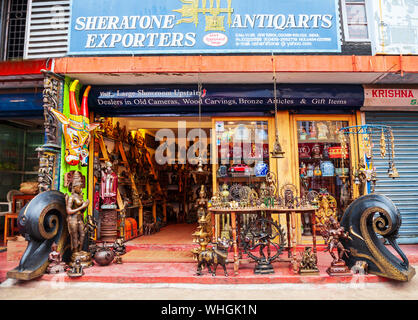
291 228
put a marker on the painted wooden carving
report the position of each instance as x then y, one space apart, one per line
366 217
76 128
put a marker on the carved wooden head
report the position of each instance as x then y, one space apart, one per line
76 129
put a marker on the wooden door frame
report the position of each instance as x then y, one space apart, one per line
352 120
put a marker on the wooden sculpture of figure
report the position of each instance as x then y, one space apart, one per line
333 233
108 187
56 265
75 206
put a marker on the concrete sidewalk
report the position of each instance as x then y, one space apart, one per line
56 290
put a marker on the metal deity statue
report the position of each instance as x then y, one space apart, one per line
76 128
75 206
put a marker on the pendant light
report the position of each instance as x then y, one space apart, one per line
277 152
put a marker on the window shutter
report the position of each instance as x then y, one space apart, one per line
47 29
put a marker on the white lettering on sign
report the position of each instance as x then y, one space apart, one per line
281 21
135 40
125 22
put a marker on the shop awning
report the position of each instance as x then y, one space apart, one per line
21 105
184 99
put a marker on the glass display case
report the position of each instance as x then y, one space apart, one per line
324 166
242 152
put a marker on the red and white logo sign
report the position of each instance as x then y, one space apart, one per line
215 39
390 97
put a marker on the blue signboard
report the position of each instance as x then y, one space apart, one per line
21 105
203 26
184 99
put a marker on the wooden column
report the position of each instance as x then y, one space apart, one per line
294 256
234 242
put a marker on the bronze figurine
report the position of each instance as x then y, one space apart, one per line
76 270
213 257
308 264
56 265
75 206
333 233
266 236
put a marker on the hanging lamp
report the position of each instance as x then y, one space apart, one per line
277 148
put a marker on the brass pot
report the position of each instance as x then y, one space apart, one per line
104 256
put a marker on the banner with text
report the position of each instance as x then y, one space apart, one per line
177 99
203 26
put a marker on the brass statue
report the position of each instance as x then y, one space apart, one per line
213 257
308 264
76 270
333 233
119 249
75 206
56 265
202 235
327 208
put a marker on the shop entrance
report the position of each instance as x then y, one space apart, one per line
156 159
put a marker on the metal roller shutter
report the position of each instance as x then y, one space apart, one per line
403 190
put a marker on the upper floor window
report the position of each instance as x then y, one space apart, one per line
15 24
355 20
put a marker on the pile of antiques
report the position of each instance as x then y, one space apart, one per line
243 215
246 213
81 229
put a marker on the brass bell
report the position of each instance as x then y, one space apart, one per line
393 172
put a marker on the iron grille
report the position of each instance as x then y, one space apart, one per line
16 23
